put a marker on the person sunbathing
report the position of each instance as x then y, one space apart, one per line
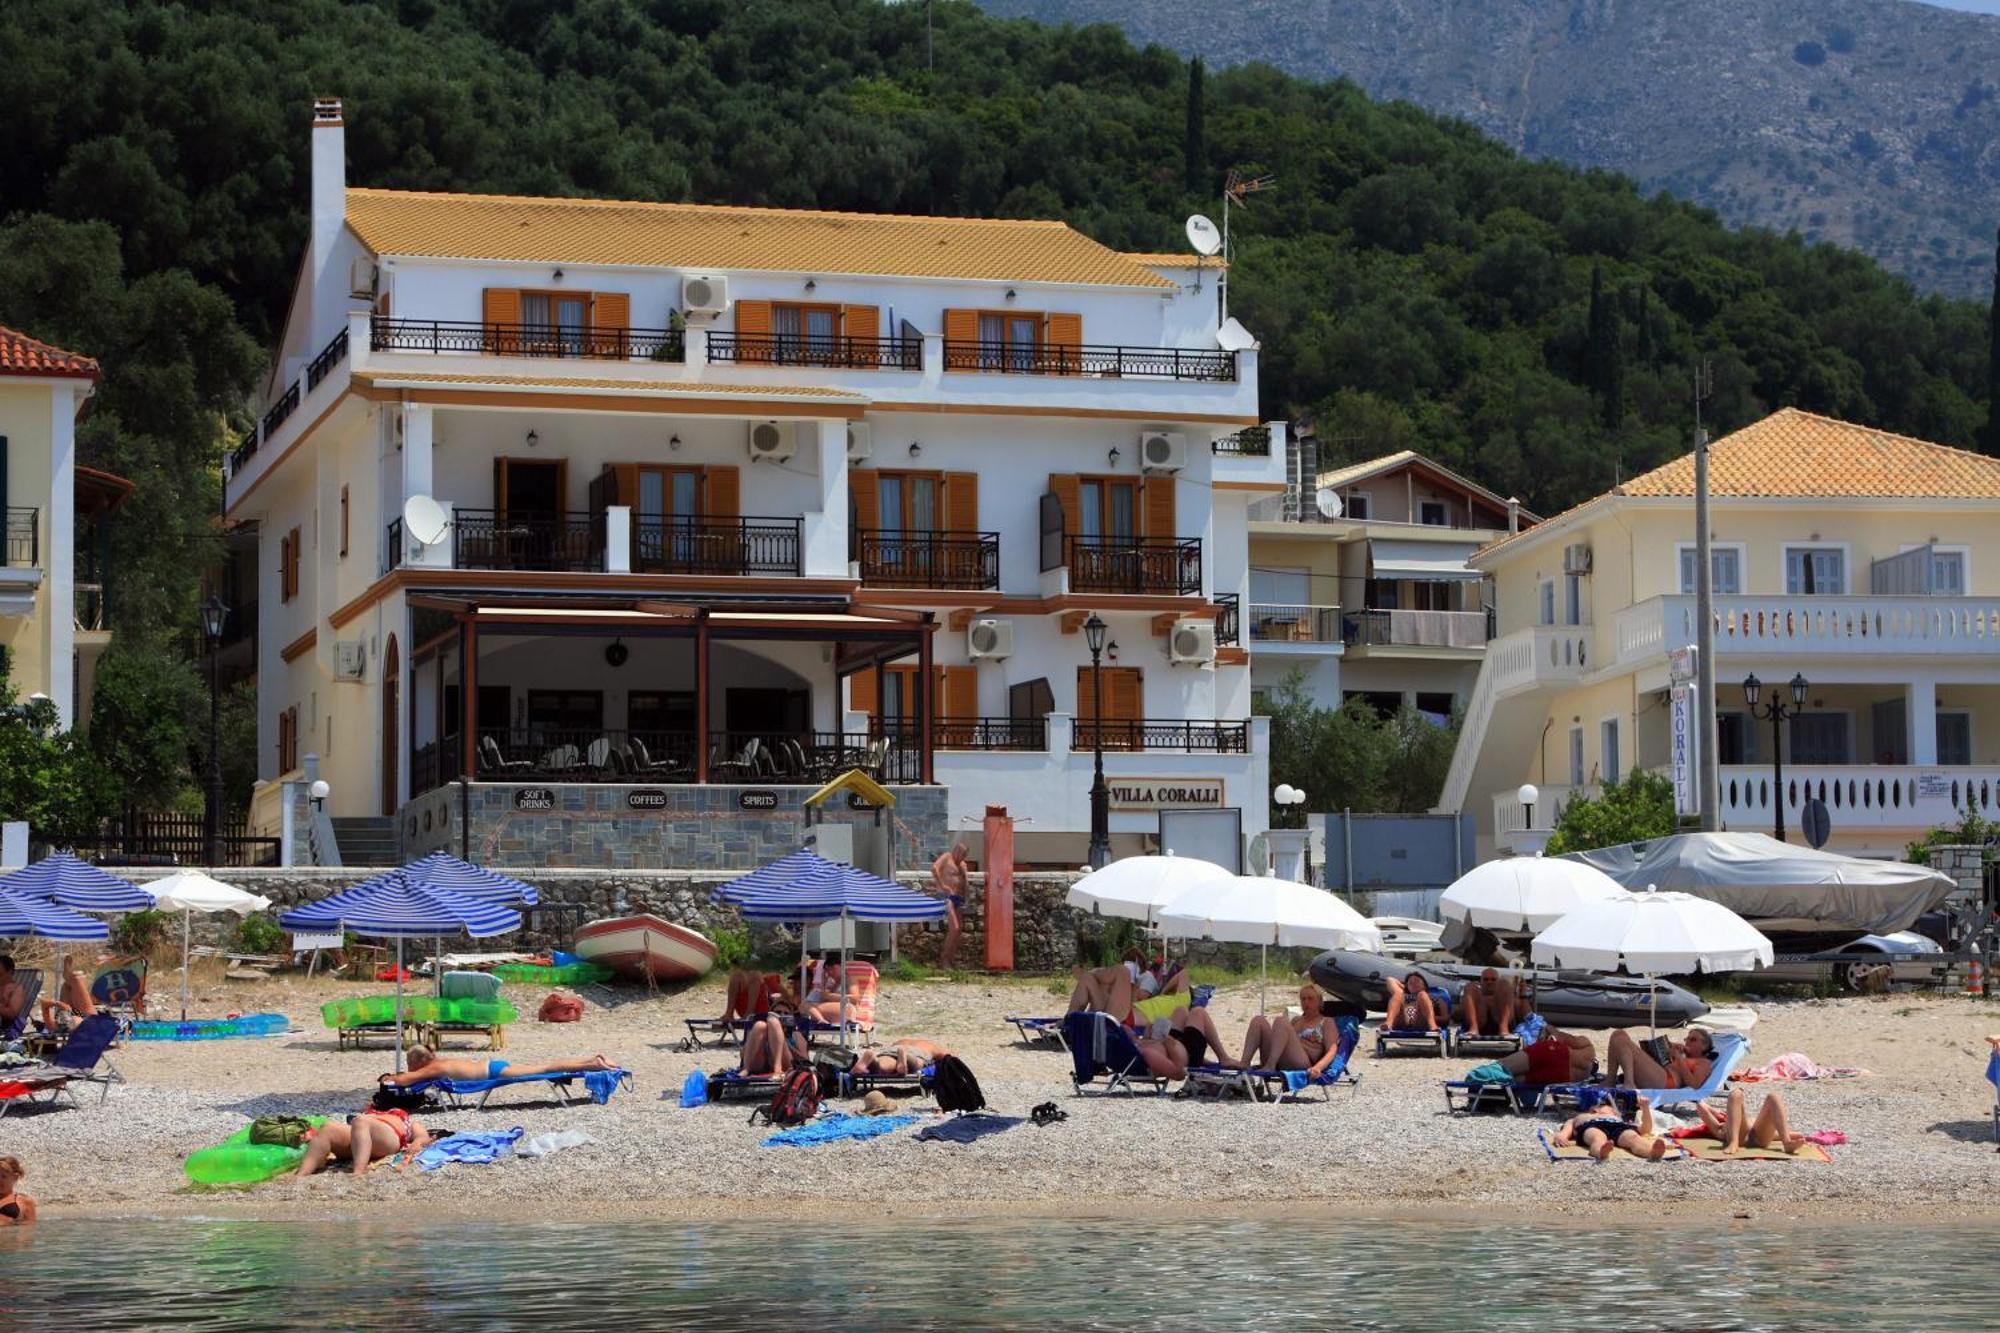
13 994
1308 1042
1771 1128
426 1066
1412 1007
824 1003
1492 1005
1554 1057
16 1208
1109 990
753 994
1661 1062
372 1136
1602 1128
771 1048
75 1000
907 1055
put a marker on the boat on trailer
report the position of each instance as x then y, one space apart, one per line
643 946
1566 999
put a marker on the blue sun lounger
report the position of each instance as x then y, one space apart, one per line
598 1085
1099 1045
76 1061
1283 1085
1730 1048
1412 1041
1034 1030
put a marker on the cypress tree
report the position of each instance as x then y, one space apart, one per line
1607 357
1194 148
1990 441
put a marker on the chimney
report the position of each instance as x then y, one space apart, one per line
1513 514
329 215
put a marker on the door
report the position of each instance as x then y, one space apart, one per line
663 722
1123 703
528 527
667 516
1889 717
553 323
392 712
1819 738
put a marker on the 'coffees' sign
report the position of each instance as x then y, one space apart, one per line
1144 794
756 800
646 798
535 798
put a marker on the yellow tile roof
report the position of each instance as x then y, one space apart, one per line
1795 454
1173 261
707 238
676 389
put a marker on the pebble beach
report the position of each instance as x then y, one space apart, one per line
1919 1125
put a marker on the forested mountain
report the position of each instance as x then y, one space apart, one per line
1414 283
1872 123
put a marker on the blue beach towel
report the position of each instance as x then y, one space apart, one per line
1993 1069
1530 1029
480 1149
832 1128
601 1083
967 1128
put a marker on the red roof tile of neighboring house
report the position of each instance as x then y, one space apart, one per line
22 355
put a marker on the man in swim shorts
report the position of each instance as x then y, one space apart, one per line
426 1067
948 874
1491 1005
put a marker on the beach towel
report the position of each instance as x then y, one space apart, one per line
1710 1150
601 1083
1531 1028
552 1142
1576 1152
478 1149
1490 1072
967 1128
1795 1067
832 1128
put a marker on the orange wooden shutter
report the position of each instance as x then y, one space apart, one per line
961 501
753 325
1086 698
500 485
628 483
1124 695
960 693
610 324
861 325
961 338
723 491
864 489
1065 336
502 306
864 694
1070 493
1159 519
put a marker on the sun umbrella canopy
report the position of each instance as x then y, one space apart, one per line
64 879
1653 934
51 921
398 905
781 873
1259 909
442 870
833 890
1139 886
1524 893
194 891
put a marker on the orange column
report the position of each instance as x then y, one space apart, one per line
997 857
701 697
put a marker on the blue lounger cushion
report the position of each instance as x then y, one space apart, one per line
598 1083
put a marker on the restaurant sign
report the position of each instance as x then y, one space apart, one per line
535 798
1147 794
756 800
646 798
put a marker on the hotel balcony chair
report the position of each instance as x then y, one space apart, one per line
744 765
492 761
644 763
795 756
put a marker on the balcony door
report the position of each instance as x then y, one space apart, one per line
529 497
907 510
1821 738
667 513
806 334
1124 708
555 323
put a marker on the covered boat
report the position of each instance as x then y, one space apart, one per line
643 945
1802 897
1566 999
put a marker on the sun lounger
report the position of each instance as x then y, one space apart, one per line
1412 1041
30 981
1282 1085
1730 1048
1050 1029
733 1085
1101 1046
463 1092
76 1062
1467 1096
470 1002
1484 1043
1036 1030
726 1031
360 1017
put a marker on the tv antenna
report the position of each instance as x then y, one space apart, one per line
1236 189
1204 239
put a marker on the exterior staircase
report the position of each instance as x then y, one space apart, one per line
366 840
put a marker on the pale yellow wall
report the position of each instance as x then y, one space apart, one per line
1319 555
1587 708
25 417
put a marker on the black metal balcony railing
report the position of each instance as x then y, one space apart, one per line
476 337
90 606
1154 363
24 537
990 733
905 559
330 356
515 539
287 404
1250 442
708 544
1228 619
888 754
1160 565
1163 734
785 349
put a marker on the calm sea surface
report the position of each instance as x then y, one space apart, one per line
1007 1273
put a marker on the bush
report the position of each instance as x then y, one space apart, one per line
1640 807
260 935
732 946
141 932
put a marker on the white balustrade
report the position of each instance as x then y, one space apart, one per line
1860 795
1849 626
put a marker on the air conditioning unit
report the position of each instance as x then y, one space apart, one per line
1162 451
1576 559
350 660
770 442
705 296
1192 642
989 638
860 441
363 278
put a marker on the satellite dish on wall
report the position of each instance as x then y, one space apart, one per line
1329 502
1233 337
424 519
1203 235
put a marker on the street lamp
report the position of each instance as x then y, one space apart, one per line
319 791
1527 796
1100 797
1778 712
214 615
1287 796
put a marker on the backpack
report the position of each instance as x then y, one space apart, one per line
560 1008
287 1131
796 1101
389 1098
954 1086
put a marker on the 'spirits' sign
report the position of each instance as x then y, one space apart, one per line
1129 794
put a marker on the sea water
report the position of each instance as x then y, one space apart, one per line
818 1267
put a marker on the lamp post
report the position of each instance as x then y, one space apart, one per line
1778 712
214 615
1527 796
1100 797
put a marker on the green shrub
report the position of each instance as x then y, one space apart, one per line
732 946
259 934
141 932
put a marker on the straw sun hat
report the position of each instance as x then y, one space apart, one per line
877 1103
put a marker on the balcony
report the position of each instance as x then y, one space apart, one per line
475 337
90 608
1161 566
490 539
992 733
1898 625
1386 628
712 544
1861 796
1092 362
1228 620
1174 735
1542 656
24 540
664 757
1280 622
779 349
578 542
899 558
1250 442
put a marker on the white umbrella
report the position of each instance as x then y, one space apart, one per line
1524 893
1263 910
191 891
1652 934
1139 886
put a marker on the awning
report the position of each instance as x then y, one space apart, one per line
1392 559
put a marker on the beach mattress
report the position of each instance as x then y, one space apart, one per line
237 1161
567 974
380 1010
211 1029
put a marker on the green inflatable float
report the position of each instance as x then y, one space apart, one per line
568 974
237 1161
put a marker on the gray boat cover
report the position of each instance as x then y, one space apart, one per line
1772 883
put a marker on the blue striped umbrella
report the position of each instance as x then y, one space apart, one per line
442 870
52 921
779 874
64 879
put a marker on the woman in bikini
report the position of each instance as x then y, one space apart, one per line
1629 1064
16 1209
908 1055
1772 1127
1308 1042
369 1137
771 1048
753 994
1412 1007
1601 1129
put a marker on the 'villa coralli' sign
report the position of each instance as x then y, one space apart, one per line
1129 794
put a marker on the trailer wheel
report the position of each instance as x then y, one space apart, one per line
1864 978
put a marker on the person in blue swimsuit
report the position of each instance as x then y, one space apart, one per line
948 873
427 1067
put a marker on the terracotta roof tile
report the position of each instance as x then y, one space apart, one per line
1794 454
22 355
707 238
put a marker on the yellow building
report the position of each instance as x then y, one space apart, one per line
1842 555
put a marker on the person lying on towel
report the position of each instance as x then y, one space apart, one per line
372 1136
1660 1062
1602 1128
426 1066
1771 1128
906 1055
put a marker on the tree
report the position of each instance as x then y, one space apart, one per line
47 777
1990 443
1194 143
1640 807
1607 354
1351 758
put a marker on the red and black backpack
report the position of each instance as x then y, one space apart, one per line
795 1102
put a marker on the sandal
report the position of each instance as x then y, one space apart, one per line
1047 1114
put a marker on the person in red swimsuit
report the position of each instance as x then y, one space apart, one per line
1558 1057
368 1137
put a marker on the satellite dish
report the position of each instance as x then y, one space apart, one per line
1329 502
1233 337
1203 235
424 519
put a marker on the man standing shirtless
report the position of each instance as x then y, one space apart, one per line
948 873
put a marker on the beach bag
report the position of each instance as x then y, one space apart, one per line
1490 1072
832 1067
796 1101
560 1008
954 1086
286 1131
389 1098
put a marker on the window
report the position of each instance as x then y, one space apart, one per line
1547 612
1607 742
288 739
1954 738
1820 738
343 523
1815 571
806 333
1008 340
553 323
1437 705
1725 565
1735 740
1108 508
1355 505
1432 512
566 710
1576 756
1573 599
288 566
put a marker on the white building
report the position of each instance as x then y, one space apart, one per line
844 486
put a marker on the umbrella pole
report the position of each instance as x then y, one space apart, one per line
187 925
843 978
1653 1006
399 1004
1263 967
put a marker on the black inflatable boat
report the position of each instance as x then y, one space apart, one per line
1566 999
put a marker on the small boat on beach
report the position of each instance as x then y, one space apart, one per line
643 945
1566 999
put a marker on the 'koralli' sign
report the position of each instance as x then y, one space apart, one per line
1130 794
